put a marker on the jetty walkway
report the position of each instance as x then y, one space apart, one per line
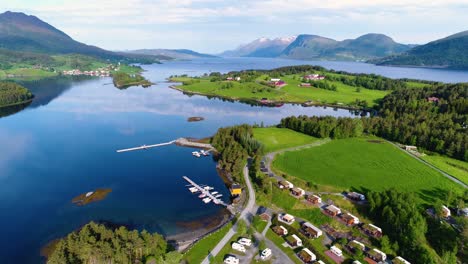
180 142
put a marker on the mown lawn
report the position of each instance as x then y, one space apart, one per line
456 168
200 250
296 207
280 138
364 164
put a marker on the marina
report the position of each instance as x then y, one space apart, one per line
205 195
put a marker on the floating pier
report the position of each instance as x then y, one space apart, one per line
206 148
147 146
215 199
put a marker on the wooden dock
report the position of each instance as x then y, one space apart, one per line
147 146
206 192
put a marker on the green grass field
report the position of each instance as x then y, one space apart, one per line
200 250
456 168
280 138
345 94
364 164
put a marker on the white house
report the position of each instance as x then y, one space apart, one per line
336 251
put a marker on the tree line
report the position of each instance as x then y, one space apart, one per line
95 243
234 145
12 93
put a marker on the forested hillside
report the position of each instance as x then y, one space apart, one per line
434 118
450 52
12 93
95 243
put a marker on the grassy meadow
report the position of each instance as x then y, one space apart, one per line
456 168
345 95
200 250
366 163
274 138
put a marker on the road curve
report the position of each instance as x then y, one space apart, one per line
244 214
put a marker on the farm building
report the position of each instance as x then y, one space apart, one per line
313 77
356 196
320 262
298 192
333 210
294 241
411 148
235 189
372 230
400 260
306 255
314 199
285 185
229 79
237 78
336 251
280 230
433 99
305 85
357 262
356 244
310 230
377 255
445 211
286 218
350 219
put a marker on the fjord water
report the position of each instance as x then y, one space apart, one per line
64 144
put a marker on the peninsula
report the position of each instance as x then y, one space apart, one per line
12 94
307 85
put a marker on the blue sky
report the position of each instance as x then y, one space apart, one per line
213 26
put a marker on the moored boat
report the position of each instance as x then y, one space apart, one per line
207 200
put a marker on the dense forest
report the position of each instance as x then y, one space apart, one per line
95 243
323 127
434 118
407 227
12 93
234 145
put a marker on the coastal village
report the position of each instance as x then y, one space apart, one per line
100 72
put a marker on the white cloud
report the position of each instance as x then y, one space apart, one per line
134 21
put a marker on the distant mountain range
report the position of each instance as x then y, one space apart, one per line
180 54
310 47
21 32
262 47
449 52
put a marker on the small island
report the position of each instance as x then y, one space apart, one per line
90 197
124 80
12 94
195 119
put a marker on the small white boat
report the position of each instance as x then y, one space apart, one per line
213 193
207 200
88 194
218 195
202 195
196 154
193 189
208 188
216 201
204 152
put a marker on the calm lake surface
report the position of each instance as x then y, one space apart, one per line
64 144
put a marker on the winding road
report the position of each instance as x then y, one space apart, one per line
247 214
